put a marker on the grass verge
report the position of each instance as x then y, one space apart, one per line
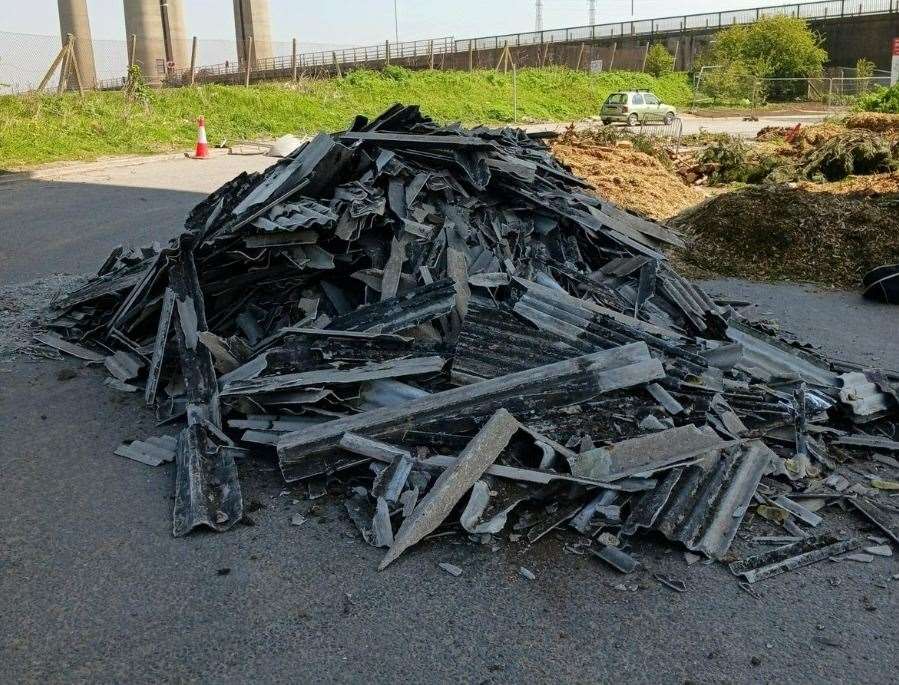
36 129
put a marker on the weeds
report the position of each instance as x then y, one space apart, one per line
269 110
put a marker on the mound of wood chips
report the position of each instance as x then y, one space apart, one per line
630 178
792 233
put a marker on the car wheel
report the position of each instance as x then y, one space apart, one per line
633 119
669 118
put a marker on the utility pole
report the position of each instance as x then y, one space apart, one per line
396 23
592 12
538 22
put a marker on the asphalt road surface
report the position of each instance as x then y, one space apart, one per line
93 588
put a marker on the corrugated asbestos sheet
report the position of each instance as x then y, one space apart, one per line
702 506
768 358
494 342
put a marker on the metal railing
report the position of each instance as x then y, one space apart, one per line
343 57
672 132
827 9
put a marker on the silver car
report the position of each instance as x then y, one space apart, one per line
634 107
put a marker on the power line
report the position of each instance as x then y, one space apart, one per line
538 23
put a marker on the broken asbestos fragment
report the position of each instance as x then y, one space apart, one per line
453 483
791 557
600 372
647 453
207 491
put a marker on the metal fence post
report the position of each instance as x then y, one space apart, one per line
293 59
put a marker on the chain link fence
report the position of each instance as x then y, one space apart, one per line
26 58
716 86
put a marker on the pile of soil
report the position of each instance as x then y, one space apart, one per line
629 178
790 233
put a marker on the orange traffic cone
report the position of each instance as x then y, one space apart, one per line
202 151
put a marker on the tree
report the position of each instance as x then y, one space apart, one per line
773 47
659 61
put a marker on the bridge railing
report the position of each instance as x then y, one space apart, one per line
643 27
341 56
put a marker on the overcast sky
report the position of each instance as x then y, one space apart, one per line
361 22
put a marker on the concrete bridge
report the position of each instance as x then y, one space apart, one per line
851 29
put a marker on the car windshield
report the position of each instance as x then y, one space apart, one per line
651 99
616 99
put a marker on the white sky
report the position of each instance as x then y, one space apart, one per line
365 22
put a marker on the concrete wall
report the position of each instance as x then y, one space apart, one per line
73 19
851 38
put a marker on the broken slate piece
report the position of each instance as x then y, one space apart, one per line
887 522
361 512
381 528
389 483
123 366
799 511
147 452
646 453
58 343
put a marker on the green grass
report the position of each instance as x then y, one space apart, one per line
35 129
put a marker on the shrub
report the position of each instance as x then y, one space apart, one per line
659 61
773 47
396 73
880 100
732 81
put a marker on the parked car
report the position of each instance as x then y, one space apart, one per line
634 107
